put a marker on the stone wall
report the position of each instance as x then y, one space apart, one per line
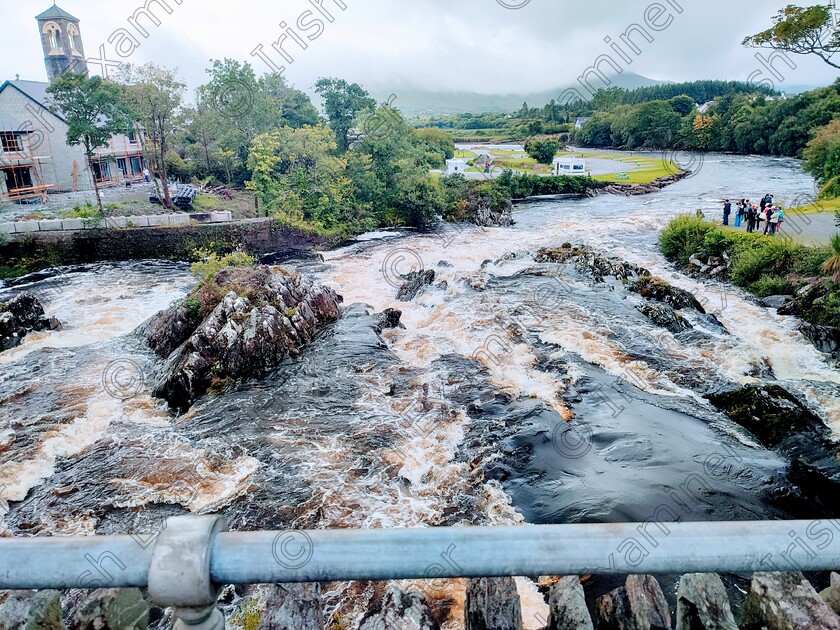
175 242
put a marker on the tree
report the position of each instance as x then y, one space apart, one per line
801 31
542 150
682 104
822 157
155 95
343 101
94 113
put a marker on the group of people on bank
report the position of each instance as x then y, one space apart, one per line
754 215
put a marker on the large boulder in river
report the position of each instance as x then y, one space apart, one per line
484 211
261 318
781 422
825 338
785 601
663 315
657 289
769 412
21 315
591 263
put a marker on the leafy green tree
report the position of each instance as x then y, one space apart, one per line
155 95
94 113
682 104
343 101
822 157
542 150
801 31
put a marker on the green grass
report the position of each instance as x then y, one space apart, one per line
819 206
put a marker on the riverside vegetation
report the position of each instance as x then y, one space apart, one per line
805 278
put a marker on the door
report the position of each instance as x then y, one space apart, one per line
122 166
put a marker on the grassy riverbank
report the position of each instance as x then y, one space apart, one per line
763 265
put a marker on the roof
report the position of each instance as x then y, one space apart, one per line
55 13
36 91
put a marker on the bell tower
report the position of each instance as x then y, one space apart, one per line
61 40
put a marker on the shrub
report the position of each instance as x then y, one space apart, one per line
684 236
771 285
213 264
773 257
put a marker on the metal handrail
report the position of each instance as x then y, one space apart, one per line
198 544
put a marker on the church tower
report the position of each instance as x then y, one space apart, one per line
61 40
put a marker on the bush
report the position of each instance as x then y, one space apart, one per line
213 264
771 285
684 236
773 257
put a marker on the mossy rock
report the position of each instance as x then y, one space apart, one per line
654 288
769 412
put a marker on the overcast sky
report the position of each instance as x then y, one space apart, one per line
442 45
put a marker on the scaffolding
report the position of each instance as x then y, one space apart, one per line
128 159
21 168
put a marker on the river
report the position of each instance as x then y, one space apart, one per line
514 394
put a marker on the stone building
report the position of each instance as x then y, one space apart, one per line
35 158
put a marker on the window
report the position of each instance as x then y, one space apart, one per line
53 34
75 39
11 141
132 137
122 166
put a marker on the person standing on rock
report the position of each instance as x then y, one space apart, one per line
727 210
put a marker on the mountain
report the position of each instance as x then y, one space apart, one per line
419 103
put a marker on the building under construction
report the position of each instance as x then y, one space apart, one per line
35 158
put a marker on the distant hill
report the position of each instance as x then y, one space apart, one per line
416 103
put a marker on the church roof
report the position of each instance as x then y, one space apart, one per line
54 12
34 90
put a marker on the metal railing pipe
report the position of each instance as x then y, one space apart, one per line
73 562
446 552
438 552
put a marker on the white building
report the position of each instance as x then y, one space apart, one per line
456 166
569 166
35 158
581 121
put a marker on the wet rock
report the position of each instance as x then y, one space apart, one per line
663 315
825 338
777 301
785 601
20 316
115 609
831 595
567 606
769 412
702 603
694 260
445 264
295 606
261 319
492 604
414 283
654 288
167 330
389 318
401 609
638 605
37 610
483 211
591 263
